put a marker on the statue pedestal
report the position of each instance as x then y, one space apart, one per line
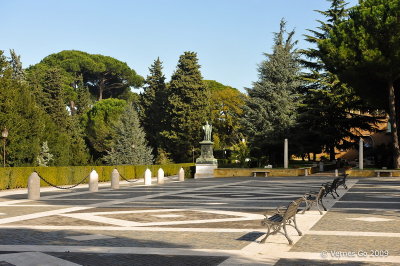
206 163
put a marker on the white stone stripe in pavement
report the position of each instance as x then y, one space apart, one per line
352 233
132 228
121 222
120 250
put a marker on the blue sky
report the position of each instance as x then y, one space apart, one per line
229 36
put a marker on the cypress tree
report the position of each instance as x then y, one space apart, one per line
153 101
188 108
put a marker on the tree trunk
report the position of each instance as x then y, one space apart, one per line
393 122
73 107
101 89
332 155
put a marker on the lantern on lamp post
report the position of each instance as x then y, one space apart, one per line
4 134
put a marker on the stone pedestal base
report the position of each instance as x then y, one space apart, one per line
205 170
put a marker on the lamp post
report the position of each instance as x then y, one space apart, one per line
4 134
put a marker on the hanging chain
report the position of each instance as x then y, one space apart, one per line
130 181
70 187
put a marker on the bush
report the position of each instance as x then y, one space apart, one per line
17 177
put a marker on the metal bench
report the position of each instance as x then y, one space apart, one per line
330 188
314 197
378 172
280 219
342 181
261 171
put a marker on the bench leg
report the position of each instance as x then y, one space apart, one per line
336 193
287 236
307 207
322 204
265 238
295 226
320 212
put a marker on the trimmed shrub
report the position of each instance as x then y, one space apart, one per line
17 177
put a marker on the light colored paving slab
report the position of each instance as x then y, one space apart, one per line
371 219
168 216
34 259
88 237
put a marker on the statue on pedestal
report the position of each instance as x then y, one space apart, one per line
206 156
207 131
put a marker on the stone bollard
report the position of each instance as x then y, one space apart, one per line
336 173
115 179
93 181
181 174
321 166
147 177
160 176
34 186
305 172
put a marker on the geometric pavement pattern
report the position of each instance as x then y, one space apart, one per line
201 222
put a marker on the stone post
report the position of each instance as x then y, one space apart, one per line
34 186
286 155
93 181
336 173
115 179
361 154
147 177
160 176
181 174
305 172
321 166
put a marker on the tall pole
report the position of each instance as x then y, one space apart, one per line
4 152
286 155
361 155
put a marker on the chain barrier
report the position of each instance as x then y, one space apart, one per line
70 187
130 181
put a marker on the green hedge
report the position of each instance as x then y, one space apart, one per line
17 177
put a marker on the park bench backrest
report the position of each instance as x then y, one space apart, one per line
292 209
335 182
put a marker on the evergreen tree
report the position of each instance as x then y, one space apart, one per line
44 157
100 123
327 120
16 64
153 101
364 52
270 109
20 114
129 146
187 110
53 97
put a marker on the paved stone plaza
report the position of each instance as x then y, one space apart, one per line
201 222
